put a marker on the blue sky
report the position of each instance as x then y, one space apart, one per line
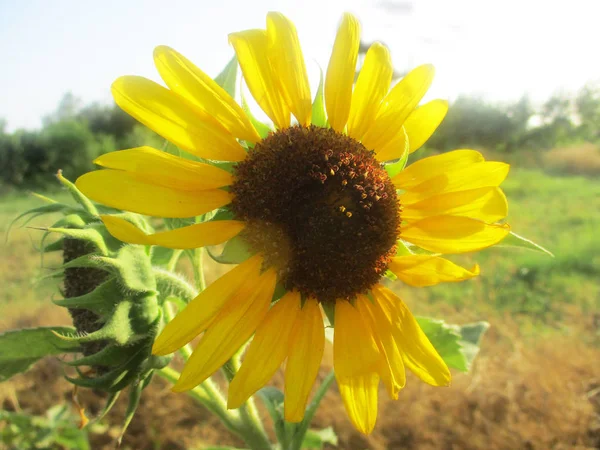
500 49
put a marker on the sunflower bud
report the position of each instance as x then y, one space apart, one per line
111 294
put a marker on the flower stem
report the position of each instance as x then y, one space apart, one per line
244 425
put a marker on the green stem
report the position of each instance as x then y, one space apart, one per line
198 267
253 426
298 437
247 428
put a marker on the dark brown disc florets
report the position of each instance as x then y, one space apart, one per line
320 208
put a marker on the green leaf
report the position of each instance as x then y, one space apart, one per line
227 79
19 349
235 251
471 337
319 116
515 240
316 439
77 195
457 345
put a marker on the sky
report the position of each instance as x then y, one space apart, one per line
497 49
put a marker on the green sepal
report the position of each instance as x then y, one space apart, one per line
235 251
90 235
54 246
262 129
85 203
223 214
135 393
227 79
319 116
39 211
110 402
515 240
329 309
112 356
132 267
101 300
165 257
20 349
70 221
170 284
393 168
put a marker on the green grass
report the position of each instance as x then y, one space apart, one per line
563 215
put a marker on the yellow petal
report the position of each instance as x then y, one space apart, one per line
488 204
166 169
418 353
397 106
371 87
484 174
286 57
391 369
425 270
201 311
132 192
251 48
423 121
192 236
433 166
187 80
452 234
340 72
267 350
359 394
394 149
354 348
232 327
175 119
305 353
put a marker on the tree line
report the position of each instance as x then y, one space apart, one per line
74 135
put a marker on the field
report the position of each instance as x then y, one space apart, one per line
535 384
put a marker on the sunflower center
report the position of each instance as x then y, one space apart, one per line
320 208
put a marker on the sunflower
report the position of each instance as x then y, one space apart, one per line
315 205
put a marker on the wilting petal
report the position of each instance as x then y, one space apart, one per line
165 169
452 234
305 353
187 80
175 119
266 352
251 48
359 394
371 87
132 192
397 106
484 174
423 121
425 270
192 236
488 204
354 348
286 57
391 369
232 327
432 166
418 353
340 72
202 310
